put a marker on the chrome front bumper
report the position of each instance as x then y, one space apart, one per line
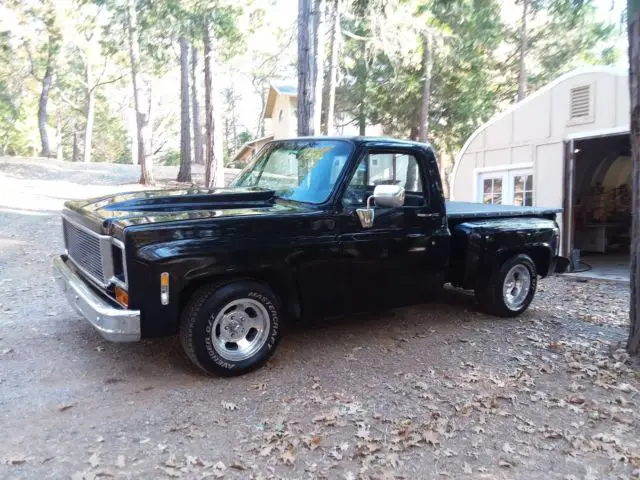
114 324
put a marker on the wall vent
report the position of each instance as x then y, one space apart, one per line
580 102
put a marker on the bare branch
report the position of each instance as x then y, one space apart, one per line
32 68
354 36
159 149
111 80
69 102
104 69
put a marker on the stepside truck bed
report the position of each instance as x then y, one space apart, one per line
463 210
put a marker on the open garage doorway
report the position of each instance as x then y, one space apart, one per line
598 206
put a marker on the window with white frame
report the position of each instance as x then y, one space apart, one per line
506 187
492 189
522 189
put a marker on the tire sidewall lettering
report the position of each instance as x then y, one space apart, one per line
274 321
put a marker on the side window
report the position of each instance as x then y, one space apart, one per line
492 189
523 189
386 169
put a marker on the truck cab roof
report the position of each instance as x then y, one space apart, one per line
364 141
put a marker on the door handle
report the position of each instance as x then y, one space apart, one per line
427 215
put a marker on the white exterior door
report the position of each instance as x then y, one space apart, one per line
506 187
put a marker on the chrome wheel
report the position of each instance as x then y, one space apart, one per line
517 284
240 329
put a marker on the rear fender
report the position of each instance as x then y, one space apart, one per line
480 247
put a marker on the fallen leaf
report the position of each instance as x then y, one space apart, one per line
221 467
506 448
328 419
392 459
625 387
94 460
65 406
259 386
526 428
288 458
606 438
170 471
363 431
315 442
6 351
266 451
171 461
229 405
431 438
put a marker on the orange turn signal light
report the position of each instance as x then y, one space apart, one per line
122 297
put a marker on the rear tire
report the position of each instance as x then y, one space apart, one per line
229 329
511 289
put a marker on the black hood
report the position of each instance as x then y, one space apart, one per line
162 206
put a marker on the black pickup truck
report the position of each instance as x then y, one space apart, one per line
314 227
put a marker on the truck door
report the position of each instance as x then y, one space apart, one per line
401 258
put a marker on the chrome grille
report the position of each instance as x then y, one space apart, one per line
84 249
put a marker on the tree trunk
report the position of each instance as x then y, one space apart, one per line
427 56
412 167
362 112
306 86
415 120
143 129
218 150
88 126
330 105
195 105
74 151
232 126
633 12
47 82
263 100
58 137
210 170
184 175
318 62
522 68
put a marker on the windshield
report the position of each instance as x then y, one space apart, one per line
300 170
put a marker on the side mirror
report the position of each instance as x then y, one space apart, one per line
391 196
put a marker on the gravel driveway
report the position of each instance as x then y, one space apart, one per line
436 391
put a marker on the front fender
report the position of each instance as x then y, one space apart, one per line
191 264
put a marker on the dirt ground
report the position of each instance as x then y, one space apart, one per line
435 391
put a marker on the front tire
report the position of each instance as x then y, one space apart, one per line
511 289
230 329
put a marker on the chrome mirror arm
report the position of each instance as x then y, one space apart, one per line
371 197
